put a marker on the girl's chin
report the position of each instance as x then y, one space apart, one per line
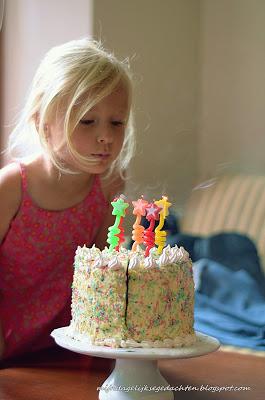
99 166
95 169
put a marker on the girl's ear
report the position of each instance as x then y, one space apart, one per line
36 119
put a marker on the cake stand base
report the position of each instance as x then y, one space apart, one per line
135 379
136 375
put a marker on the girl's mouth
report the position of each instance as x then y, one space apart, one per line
102 156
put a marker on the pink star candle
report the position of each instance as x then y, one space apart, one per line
138 230
152 215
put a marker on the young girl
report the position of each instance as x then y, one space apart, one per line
79 108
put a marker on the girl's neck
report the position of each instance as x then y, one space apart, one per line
54 191
62 179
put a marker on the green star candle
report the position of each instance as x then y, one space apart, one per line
119 209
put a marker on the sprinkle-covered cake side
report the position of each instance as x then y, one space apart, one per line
108 308
81 294
180 316
146 305
160 299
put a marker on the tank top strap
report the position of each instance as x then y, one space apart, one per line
96 190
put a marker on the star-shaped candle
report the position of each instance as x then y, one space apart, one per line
115 235
152 212
138 230
160 236
152 215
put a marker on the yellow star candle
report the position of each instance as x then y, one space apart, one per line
138 230
160 236
119 209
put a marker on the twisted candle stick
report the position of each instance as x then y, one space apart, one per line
137 233
160 240
160 236
121 234
152 214
138 230
113 238
149 238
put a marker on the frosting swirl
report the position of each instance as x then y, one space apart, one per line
99 262
164 259
135 261
150 261
114 263
183 255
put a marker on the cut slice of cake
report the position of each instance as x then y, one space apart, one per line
160 299
99 296
108 290
81 294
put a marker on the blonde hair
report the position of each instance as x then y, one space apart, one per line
72 78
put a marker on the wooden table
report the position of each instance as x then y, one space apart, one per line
58 374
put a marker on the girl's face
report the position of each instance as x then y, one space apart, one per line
99 134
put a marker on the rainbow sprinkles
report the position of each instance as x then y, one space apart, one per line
143 297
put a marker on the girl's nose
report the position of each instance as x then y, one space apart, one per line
105 136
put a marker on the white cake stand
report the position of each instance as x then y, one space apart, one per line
136 371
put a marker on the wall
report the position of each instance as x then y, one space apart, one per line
30 28
232 91
161 38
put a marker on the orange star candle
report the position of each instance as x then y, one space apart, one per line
138 230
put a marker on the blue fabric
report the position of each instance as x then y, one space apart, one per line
230 293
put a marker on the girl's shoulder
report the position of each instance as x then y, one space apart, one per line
10 182
10 195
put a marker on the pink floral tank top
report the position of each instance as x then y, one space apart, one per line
36 267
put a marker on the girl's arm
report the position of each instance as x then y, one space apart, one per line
10 195
110 191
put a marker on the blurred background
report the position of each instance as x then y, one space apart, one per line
199 80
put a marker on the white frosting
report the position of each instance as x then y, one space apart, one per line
150 261
174 254
85 257
135 261
130 343
86 253
183 255
99 262
114 263
167 249
164 259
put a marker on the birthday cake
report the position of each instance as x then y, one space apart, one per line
134 298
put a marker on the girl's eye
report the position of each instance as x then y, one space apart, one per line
117 123
87 121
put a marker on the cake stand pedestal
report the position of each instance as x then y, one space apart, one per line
136 375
